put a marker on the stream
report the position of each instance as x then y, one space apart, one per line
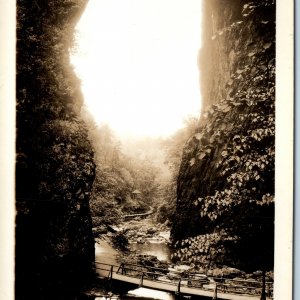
155 245
145 238
158 249
105 252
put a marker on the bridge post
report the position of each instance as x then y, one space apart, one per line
141 280
110 275
215 295
189 282
178 287
122 267
263 290
269 294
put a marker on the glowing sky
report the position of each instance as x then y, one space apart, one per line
137 60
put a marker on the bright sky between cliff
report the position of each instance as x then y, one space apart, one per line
137 60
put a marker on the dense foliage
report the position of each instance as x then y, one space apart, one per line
54 168
124 183
225 204
172 158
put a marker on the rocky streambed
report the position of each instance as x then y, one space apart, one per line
138 241
143 230
145 242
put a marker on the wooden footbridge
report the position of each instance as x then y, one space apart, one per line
186 283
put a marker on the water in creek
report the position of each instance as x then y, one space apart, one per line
161 250
141 294
105 253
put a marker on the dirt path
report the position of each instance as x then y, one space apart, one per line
147 213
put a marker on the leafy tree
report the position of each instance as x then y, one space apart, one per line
117 176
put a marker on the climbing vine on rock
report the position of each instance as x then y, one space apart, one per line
226 179
203 249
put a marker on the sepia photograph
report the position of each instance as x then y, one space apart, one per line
151 155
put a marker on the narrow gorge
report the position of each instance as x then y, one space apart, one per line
210 185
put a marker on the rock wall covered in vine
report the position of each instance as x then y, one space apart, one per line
54 168
225 191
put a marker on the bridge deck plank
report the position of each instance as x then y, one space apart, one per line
172 288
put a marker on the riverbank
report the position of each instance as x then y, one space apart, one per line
149 240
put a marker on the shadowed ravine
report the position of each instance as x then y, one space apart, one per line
209 187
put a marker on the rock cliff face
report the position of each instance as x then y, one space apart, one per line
54 168
225 191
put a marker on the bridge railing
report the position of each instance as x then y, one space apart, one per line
237 286
189 279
